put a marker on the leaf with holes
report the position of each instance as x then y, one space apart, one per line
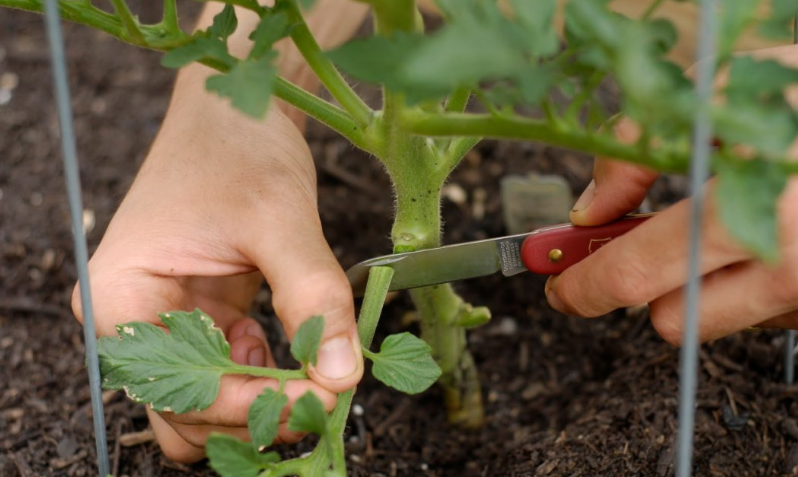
231 457
404 363
177 371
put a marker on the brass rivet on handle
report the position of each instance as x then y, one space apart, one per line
555 255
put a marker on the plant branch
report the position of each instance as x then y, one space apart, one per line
323 111
170 15
518 127
131 23
458 100
327 72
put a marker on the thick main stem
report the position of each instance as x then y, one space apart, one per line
417 226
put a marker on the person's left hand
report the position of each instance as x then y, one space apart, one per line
649 264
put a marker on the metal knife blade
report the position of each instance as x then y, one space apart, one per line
448 263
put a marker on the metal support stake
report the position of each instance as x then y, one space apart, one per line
699 173
52 18
789 335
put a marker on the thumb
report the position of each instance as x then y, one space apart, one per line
617 187
306 280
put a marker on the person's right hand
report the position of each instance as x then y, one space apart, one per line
219 200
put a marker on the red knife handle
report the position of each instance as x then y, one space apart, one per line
553 249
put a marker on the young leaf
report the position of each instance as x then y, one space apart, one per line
305 345
273 26
263 418
405 363
747 196
178 371
198 48
249 84
750 78
231 457
376 59
308 415
224 23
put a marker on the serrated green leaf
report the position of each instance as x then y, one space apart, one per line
231 457
248 84
224 23
778 25
273 26
308 415
537 19
769 128
199 48
438 65
747 196
263 418
750 78
305 345
405 363
178 371
376 59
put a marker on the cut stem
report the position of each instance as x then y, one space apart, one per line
131 24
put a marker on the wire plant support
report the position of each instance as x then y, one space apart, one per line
72 176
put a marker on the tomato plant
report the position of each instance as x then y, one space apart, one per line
530 84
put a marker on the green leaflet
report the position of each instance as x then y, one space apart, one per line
248 84
305 345
231 457
751 79
747 195
273 26
263 419
376 59
308 415
224 23
779 25
178 371
198 49
405 363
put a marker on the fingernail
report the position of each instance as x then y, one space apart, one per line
257 357
586 198
552 298
256 330
337 358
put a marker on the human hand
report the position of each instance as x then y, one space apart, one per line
219 200
649 264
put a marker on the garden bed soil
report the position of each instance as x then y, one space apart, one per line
564 396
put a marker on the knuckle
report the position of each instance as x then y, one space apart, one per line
628 283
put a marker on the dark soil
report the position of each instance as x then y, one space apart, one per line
564 396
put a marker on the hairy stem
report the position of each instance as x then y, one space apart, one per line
130 22
519 127
327 73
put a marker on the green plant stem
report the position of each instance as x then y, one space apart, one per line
279 374
440 308
370 310
458 100
131 24
169 20
327 73
518 127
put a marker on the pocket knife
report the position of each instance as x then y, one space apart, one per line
548 250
